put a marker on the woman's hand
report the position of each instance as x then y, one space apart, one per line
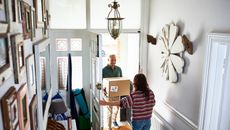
103 102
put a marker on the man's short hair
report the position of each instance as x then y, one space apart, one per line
111 55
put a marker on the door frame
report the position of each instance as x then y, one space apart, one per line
214 94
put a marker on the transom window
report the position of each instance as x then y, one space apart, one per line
63 47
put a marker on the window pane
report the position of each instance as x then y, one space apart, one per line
129 9
61 44
76 44
62 72
68 14
132 59
110 46
77 72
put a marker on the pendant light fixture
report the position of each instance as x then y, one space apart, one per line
114 20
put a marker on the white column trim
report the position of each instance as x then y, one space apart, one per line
143 36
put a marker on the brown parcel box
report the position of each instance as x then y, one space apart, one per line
117 86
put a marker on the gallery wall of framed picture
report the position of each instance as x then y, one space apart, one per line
22 24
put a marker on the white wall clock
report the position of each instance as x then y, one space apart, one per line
172 48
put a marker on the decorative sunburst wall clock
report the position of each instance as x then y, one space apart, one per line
172 48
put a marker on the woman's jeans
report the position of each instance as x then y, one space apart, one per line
144 124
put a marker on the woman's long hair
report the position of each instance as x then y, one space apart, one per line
140 83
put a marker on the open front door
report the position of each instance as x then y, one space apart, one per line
96 80
79 44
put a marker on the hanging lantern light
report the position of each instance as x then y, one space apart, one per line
114 20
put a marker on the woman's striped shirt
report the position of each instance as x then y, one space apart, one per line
142 107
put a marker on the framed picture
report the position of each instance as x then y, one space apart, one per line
38 12
4 19
1 5
44 30
13 16
26 19
18 57
33 113
30 72
10 109
13 10
23 111
33 23
44 18
5 58
47 18
19 8
42 68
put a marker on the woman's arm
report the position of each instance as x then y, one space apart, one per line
110 103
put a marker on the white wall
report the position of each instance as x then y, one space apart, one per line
179 103
28 44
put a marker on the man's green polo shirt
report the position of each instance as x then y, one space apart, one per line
109 72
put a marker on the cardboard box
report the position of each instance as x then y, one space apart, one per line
117 86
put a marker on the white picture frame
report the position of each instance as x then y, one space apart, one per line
30 74
38 12
41 49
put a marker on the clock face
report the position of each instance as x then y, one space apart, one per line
172 49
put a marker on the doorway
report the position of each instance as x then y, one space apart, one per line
126 48
77 43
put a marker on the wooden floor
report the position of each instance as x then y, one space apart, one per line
125 127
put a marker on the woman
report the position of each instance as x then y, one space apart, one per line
141 101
